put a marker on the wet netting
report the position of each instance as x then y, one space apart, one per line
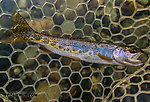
29 74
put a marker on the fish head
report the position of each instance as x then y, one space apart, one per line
130 56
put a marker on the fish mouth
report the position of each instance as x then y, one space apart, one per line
134 57
138 59
124 57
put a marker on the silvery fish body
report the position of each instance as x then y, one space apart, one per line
86 51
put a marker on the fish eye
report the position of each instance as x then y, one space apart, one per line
133 49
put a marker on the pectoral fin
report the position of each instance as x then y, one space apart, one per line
104 57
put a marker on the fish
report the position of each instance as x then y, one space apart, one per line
92 52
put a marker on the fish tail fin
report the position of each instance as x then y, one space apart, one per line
20 26
20 29
7 36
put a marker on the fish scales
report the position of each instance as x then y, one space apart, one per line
86 51
72 48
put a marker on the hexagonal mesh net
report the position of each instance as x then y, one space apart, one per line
29 74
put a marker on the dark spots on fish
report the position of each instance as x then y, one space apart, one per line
67 49
94 51
53 44
34 35
45 40
60 46
75 47
64 44
80 51
104 58
31 38
29 34
84 50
